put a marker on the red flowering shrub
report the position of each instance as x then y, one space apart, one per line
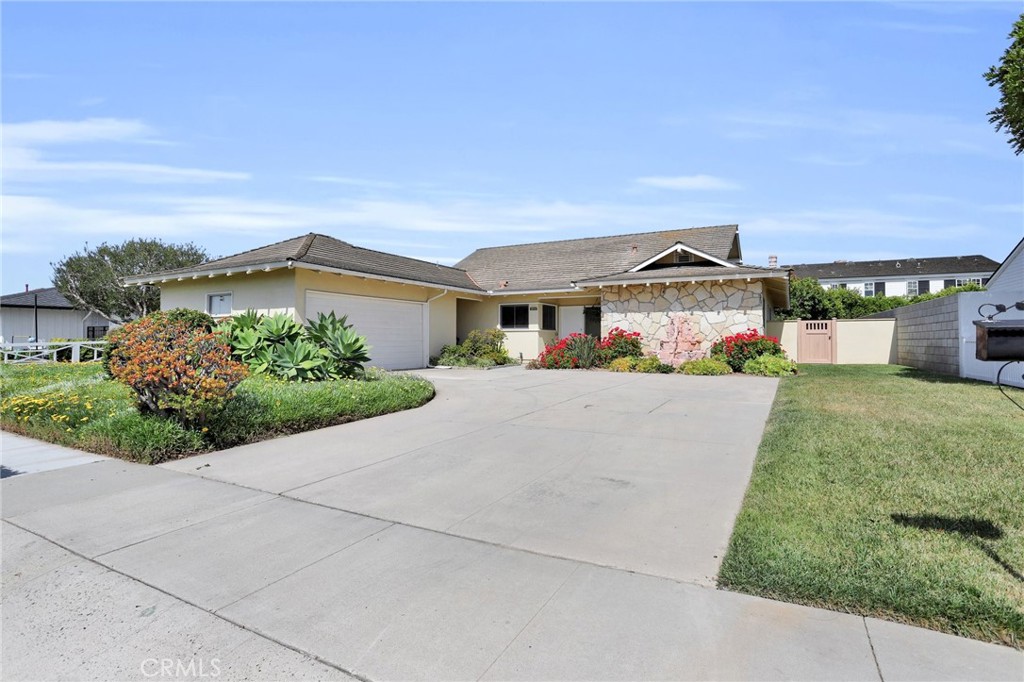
175 368
579 351
735 350
621 344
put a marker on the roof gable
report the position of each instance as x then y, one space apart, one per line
556 265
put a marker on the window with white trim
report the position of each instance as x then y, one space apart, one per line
515 316
912 287
869 288
968 280
218 304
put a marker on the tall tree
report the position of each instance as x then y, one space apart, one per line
1008 75
92 279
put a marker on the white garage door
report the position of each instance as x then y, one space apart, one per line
395 330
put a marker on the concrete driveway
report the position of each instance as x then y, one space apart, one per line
641 472
523 525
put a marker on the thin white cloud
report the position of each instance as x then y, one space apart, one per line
49 132
687 182
352 182
860 223
24 159
919 27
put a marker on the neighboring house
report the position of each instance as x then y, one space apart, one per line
681 289
43 314
903 277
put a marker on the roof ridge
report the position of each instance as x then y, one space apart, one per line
398 255
891 260
304 246
242 253
609 236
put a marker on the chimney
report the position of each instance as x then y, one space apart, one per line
26 288
773 261
633 248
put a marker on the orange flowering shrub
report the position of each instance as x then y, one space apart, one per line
175 368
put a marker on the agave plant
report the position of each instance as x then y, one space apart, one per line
344 350
279 328
297 360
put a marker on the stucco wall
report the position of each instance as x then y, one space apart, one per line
682 321
865 342
265 292
787 332
527 343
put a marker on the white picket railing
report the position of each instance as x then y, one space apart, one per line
15 353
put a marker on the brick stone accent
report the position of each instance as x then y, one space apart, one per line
682 321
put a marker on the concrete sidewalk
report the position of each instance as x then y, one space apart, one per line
110 566
20 455
359 550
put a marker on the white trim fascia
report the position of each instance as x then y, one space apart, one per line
267 267
700 278
679 246
1017 252
531 292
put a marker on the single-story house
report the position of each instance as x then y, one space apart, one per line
681 289
44 314
901 277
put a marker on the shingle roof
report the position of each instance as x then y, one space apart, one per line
689 271
48 298
326 251
554 265
904 267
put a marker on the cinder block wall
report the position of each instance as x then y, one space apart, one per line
928 335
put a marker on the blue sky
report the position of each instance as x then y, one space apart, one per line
825 130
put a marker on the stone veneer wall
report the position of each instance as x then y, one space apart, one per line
681 321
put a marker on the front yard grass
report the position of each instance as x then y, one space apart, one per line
77 406
889 492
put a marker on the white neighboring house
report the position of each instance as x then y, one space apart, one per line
1006 286
903 277
43 314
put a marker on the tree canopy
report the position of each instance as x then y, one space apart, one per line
92 279
1008 76
808 300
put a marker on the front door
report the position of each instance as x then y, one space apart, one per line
592 320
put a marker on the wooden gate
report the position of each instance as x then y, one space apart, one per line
817 342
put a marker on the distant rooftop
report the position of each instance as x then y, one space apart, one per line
900 267
44 298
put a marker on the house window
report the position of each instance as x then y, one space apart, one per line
837 286
968 280
549 317
879 288
923 286
218 304
515 316
96 332
869 288
912 287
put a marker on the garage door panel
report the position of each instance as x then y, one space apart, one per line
393 329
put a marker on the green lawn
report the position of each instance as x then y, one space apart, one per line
77 406
885 491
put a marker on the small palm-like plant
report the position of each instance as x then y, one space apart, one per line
297 360
344 350
279 328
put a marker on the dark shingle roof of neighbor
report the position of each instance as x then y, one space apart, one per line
902 267
554 265
48 298
320 249
656 275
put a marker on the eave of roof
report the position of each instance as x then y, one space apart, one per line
180 276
